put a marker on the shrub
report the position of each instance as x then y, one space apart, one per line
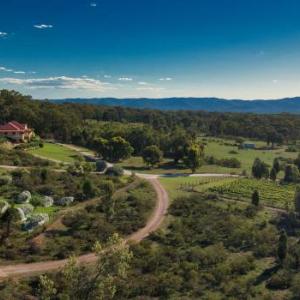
230 163
5 179
242 264
101 165
233 152
291 149
291 174
114 171
280 280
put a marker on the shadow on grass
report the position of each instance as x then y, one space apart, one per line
266 274
167 166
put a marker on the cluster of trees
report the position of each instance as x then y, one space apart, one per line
65 121
291 171
114 149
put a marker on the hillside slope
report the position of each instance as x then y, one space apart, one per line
288 105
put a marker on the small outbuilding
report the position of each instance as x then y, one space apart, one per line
248 146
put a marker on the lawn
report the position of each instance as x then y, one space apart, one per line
56 152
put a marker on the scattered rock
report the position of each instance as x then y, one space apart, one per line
35 220
25 211
3 207
24 197
65 201
47 201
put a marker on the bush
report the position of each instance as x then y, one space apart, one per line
101 165
5 179
291 149
114 171
280 280
233 152
230 163
242 264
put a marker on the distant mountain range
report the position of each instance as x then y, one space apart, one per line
287 105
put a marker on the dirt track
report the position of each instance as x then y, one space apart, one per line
24 270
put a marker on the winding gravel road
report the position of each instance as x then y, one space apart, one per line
24 270
154 222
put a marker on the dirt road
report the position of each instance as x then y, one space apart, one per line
24 270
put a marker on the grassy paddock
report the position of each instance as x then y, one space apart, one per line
220 148
56 152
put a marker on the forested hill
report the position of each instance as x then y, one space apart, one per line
77 123
288 105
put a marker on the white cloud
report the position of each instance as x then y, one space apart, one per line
166 79
107 76
93 4
142 83
4 69
125 79
61 82
149 88
3 34
43 26
275 81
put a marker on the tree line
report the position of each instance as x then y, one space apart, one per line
61 121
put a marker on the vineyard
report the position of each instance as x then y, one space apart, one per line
271 194
179 186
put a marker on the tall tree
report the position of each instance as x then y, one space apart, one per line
114 149
178 143
282 246
152 155
120 149
273 174
297 199
260 169
297 161
255 198
276 165
194 157
291 174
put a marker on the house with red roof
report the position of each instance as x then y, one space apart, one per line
16 132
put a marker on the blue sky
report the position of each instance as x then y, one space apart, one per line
246 49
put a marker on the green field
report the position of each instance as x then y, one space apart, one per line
56 152
220 148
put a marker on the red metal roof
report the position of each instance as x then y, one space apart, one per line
13 126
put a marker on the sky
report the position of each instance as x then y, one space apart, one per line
234 49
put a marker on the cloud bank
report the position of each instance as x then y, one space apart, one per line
60 82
